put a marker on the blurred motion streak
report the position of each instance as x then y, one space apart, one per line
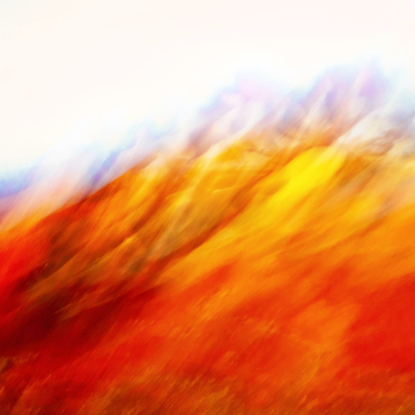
253 258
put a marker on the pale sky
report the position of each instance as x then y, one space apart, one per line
77 69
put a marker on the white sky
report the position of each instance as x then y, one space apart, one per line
66 64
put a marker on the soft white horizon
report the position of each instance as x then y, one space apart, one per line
71 70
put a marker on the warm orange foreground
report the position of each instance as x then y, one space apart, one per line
246 281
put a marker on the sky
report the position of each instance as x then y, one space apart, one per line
82 71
